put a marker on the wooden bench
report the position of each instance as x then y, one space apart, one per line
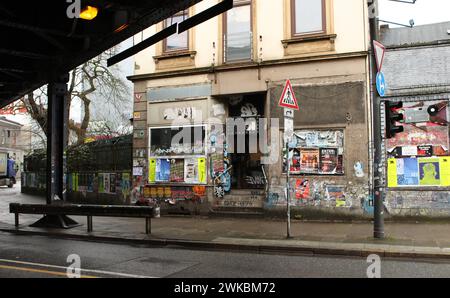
85 210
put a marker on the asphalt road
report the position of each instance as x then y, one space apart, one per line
36 256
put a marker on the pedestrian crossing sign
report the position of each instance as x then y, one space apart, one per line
287 99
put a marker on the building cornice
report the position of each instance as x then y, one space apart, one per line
247 65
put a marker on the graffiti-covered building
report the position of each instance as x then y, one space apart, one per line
417 74
208 131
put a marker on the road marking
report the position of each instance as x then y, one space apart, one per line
42 271
83 270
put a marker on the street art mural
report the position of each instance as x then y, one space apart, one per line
317 192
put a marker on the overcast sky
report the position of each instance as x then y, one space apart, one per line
423 11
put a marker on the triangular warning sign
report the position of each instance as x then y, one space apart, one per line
379 54
287 99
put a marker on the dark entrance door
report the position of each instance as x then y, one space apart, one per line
246 172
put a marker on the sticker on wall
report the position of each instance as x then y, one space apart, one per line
152 170
138 171
359 171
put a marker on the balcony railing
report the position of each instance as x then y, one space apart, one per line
238 47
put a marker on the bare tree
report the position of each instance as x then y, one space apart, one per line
89 81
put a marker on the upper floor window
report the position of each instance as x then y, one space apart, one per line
238 32
308 17
176 42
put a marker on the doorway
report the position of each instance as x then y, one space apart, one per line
246 172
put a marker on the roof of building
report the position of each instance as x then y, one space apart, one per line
424 34
4 120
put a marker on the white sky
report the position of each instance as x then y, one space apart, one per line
423 11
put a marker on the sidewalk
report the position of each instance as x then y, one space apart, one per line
259 235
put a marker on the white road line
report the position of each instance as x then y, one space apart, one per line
83 270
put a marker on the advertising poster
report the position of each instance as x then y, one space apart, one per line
162 170
202 170
106 182
302 189
444 163
336 193
425 150
190 170
429 172
328 160
90 182
407 172
177 170
295 161
112 183
152 170
138 171
101 183
309 161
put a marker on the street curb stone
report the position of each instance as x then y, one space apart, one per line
234 245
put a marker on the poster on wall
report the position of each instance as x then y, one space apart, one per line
162 170
112 183
90 182
410 172
101 183
106 182
138 171
177 170
328 160
429 172
201 170
152 170
309 160
191 170
336 193
425 133
302 189
407 172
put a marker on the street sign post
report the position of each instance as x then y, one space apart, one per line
288 101
380 50
381 84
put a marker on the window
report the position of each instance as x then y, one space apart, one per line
317 152
176 42
308 17
238 32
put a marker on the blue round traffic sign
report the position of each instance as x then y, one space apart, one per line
381 84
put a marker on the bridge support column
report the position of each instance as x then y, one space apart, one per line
57 139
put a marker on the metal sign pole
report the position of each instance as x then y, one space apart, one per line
288 162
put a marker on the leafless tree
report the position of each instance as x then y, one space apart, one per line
88 82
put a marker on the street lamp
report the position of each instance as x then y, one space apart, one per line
411 23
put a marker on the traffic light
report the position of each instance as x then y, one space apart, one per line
392 118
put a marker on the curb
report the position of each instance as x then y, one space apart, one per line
249 248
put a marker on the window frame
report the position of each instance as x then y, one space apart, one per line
165 50
237 3
294 32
